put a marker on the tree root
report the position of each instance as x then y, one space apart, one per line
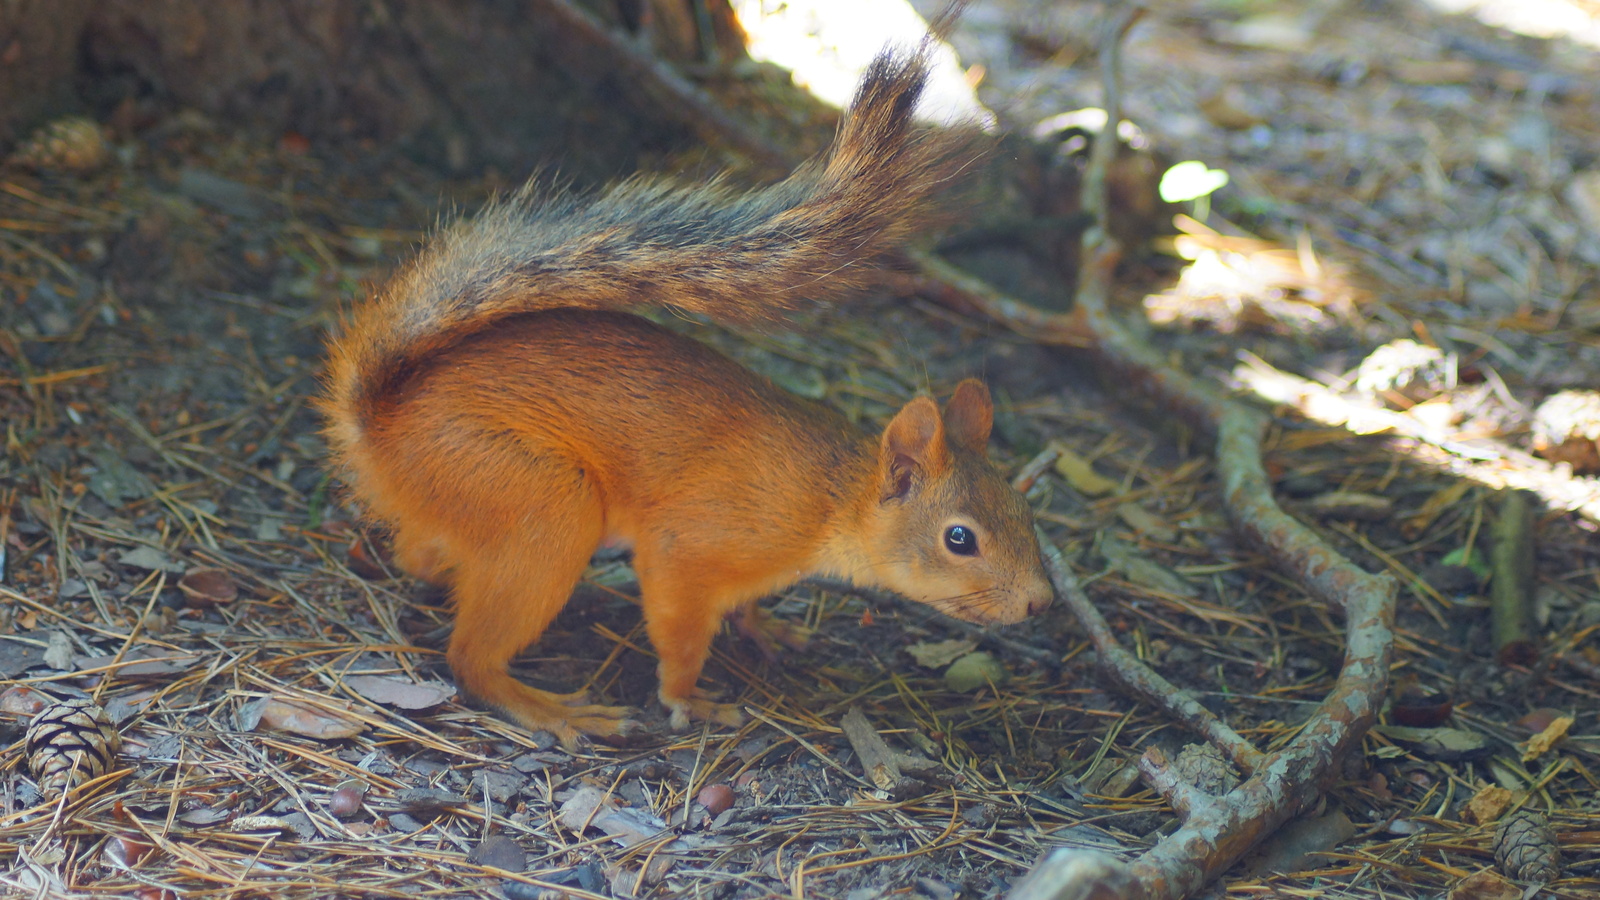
662 83
1216 830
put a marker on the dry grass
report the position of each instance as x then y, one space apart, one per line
156 353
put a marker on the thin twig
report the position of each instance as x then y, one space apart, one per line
1216 832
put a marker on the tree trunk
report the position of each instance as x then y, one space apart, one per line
467 83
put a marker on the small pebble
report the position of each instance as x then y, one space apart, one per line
499 852
207 587
1539 719
21 700
124 852
345 802
716 798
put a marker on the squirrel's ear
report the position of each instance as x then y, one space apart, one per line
913 443
969 416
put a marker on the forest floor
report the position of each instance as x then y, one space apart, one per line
172 546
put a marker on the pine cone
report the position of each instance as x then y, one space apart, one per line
65 145
1525 848
70 743
1204 767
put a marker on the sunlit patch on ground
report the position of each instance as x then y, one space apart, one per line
1575 19
827 43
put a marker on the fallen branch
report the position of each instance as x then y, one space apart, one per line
950 287
1138 678
1511 586
1216 831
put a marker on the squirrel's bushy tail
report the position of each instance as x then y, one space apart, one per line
739 258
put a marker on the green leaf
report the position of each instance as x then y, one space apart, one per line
1190 180
1476 562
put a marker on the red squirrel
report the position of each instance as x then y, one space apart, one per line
498 410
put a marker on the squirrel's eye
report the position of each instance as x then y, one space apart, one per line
960 540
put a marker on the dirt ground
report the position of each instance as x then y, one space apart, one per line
161 322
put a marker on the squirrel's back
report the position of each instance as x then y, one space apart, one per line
736 257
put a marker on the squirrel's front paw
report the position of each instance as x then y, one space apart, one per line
569 717
698 707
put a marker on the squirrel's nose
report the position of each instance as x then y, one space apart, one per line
1040 602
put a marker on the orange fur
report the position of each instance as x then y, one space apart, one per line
500 413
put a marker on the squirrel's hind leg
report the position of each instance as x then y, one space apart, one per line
421 556
507 589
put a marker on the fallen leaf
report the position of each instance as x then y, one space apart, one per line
938 654
123 707
1146 522
18 656
1485 885
326 722
142 663
58 652
1437 503
1540 744
115 480
499 852
248 717
1082 476
974 671
148 558
501 785
1442 744
398 693
1477 562
207 815
1292 847
1142 570
589 805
